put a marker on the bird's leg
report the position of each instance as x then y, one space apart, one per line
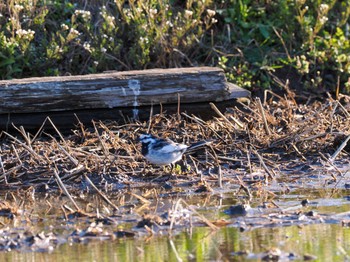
161 175
185 167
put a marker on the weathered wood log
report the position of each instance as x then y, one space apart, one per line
116 89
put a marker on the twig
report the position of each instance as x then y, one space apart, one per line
196 168
202 124
229 159
245 188
178 106
298 152
262 111
332 164
220 176
10 171
141 198
249 162
206 221
16 153
64 189
178 258
25 146
264 165
3 170
337 88
24 134
176 207
104 197
213 106
150 119
57 131
282 41
104 149
81 125
71 158
172 221
218 165
340 148
312 137
344 110
73 172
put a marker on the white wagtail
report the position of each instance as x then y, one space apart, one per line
162 152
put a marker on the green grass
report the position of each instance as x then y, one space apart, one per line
255 42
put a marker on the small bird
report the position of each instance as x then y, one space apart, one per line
162 152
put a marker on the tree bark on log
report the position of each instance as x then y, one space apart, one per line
116 89
112 95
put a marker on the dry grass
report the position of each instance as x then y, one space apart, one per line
254 146
263 137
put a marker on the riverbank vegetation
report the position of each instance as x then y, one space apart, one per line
259 44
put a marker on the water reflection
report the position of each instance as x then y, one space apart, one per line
326 241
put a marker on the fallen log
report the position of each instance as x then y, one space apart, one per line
131 89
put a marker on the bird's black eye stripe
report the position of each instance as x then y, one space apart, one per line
144 149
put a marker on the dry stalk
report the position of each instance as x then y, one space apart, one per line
16 153
213 106
73 173
104 149
71 158
57 131
206 221
24 134
150 119
218 165
178 114
331 163
30 150
245 188
104 197
4 176
262 162
298 152
141 198
340 148
172 221
11 171
178 258
196 167
295 136
343 109
202 124
64 189
249 161
81 125
262 112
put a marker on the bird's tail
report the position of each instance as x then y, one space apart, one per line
199 144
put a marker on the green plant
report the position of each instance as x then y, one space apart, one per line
62 37
253 41
305 35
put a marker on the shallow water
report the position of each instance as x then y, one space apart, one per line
245 238
328 242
